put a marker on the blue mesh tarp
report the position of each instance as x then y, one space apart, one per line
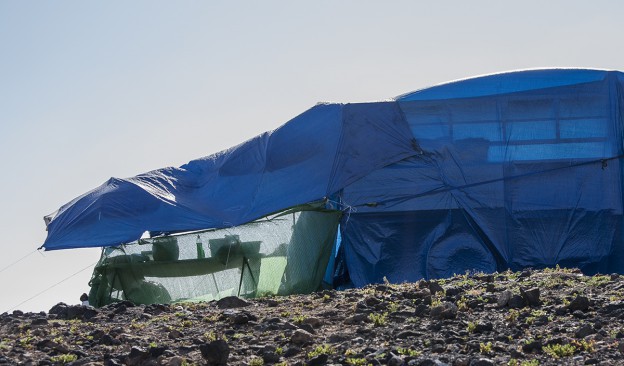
510 170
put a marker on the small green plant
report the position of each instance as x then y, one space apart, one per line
512 316
153 345
534 315
538 313
210 336
356 361
136 326
613 333
298 319
530 363
350 352
65 358
408 352
436 300
25 341
326 298
285 314
475 291
566 302
413 320
368 291
187 323
210 318
472 326
485 348
598 280
256 361
514 362
393 307
462 304
324 349
378 319
559 350
585 346
279 351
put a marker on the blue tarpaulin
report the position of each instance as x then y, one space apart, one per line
511 170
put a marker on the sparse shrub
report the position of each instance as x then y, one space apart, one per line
378 319
356 361
324 349
393 307
408 352
65 358
187 323
566 302
135 325
256 361
298 319
485 348
436 300
514 362
210 336
211 318
585 346
559 350
475 291
472 326
598 280
538 313
26 341
512 316
462 304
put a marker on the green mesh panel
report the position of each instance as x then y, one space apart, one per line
284 254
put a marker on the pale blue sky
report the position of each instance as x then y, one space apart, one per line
90 90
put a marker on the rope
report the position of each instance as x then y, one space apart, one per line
17 261
49 288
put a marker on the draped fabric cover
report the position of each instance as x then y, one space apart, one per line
511 170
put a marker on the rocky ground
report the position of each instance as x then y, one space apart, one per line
550 317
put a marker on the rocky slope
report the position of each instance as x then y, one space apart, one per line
550 317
